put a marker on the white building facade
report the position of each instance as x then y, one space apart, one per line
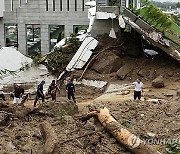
36 25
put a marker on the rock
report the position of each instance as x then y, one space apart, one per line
69 119
140 73
123 71
142 115
10 145
158 82
170 74
155 101
178 92
108 64
150 134
125 92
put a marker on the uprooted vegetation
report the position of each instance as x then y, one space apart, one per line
58 59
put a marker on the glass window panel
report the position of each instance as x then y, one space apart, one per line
33 39
11 35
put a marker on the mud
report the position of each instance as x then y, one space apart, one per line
155 119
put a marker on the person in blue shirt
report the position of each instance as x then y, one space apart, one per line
70 88
40 93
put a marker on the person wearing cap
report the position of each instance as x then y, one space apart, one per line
138 89
18 93
53 88
2 93
39 93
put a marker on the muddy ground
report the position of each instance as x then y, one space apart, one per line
148 119
155 119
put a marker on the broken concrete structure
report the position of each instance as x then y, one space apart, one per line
151 34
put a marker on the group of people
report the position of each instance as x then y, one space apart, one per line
52 90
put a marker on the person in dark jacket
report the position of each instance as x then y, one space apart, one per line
39 93
53 88
70 88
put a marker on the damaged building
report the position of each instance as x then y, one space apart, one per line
37 25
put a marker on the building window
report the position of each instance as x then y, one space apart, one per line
11 35
67 5
82 5
19 3
54 5
12 5
33 39
47 5
75 5
60 5
56 34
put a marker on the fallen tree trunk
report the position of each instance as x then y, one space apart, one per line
129 140
49 136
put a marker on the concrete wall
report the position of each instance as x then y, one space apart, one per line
1 8
34 12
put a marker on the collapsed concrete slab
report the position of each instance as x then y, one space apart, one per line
151 34
81 56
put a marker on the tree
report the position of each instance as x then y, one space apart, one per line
178 4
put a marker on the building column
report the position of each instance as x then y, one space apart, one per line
22 38
44 39
2 41
127 3
68 29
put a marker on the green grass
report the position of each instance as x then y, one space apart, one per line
171 33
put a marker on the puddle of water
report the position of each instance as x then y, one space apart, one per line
117 87
117 92
93 83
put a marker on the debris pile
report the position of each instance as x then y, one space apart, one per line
57 126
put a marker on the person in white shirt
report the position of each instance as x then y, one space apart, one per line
138 89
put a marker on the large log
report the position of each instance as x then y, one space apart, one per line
129 140
123 136
49 136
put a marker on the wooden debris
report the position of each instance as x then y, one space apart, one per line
122 135
49 136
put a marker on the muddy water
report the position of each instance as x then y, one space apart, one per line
92 83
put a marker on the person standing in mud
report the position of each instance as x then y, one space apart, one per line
18 93
53 88
2 93
138 89
39 93
70 88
